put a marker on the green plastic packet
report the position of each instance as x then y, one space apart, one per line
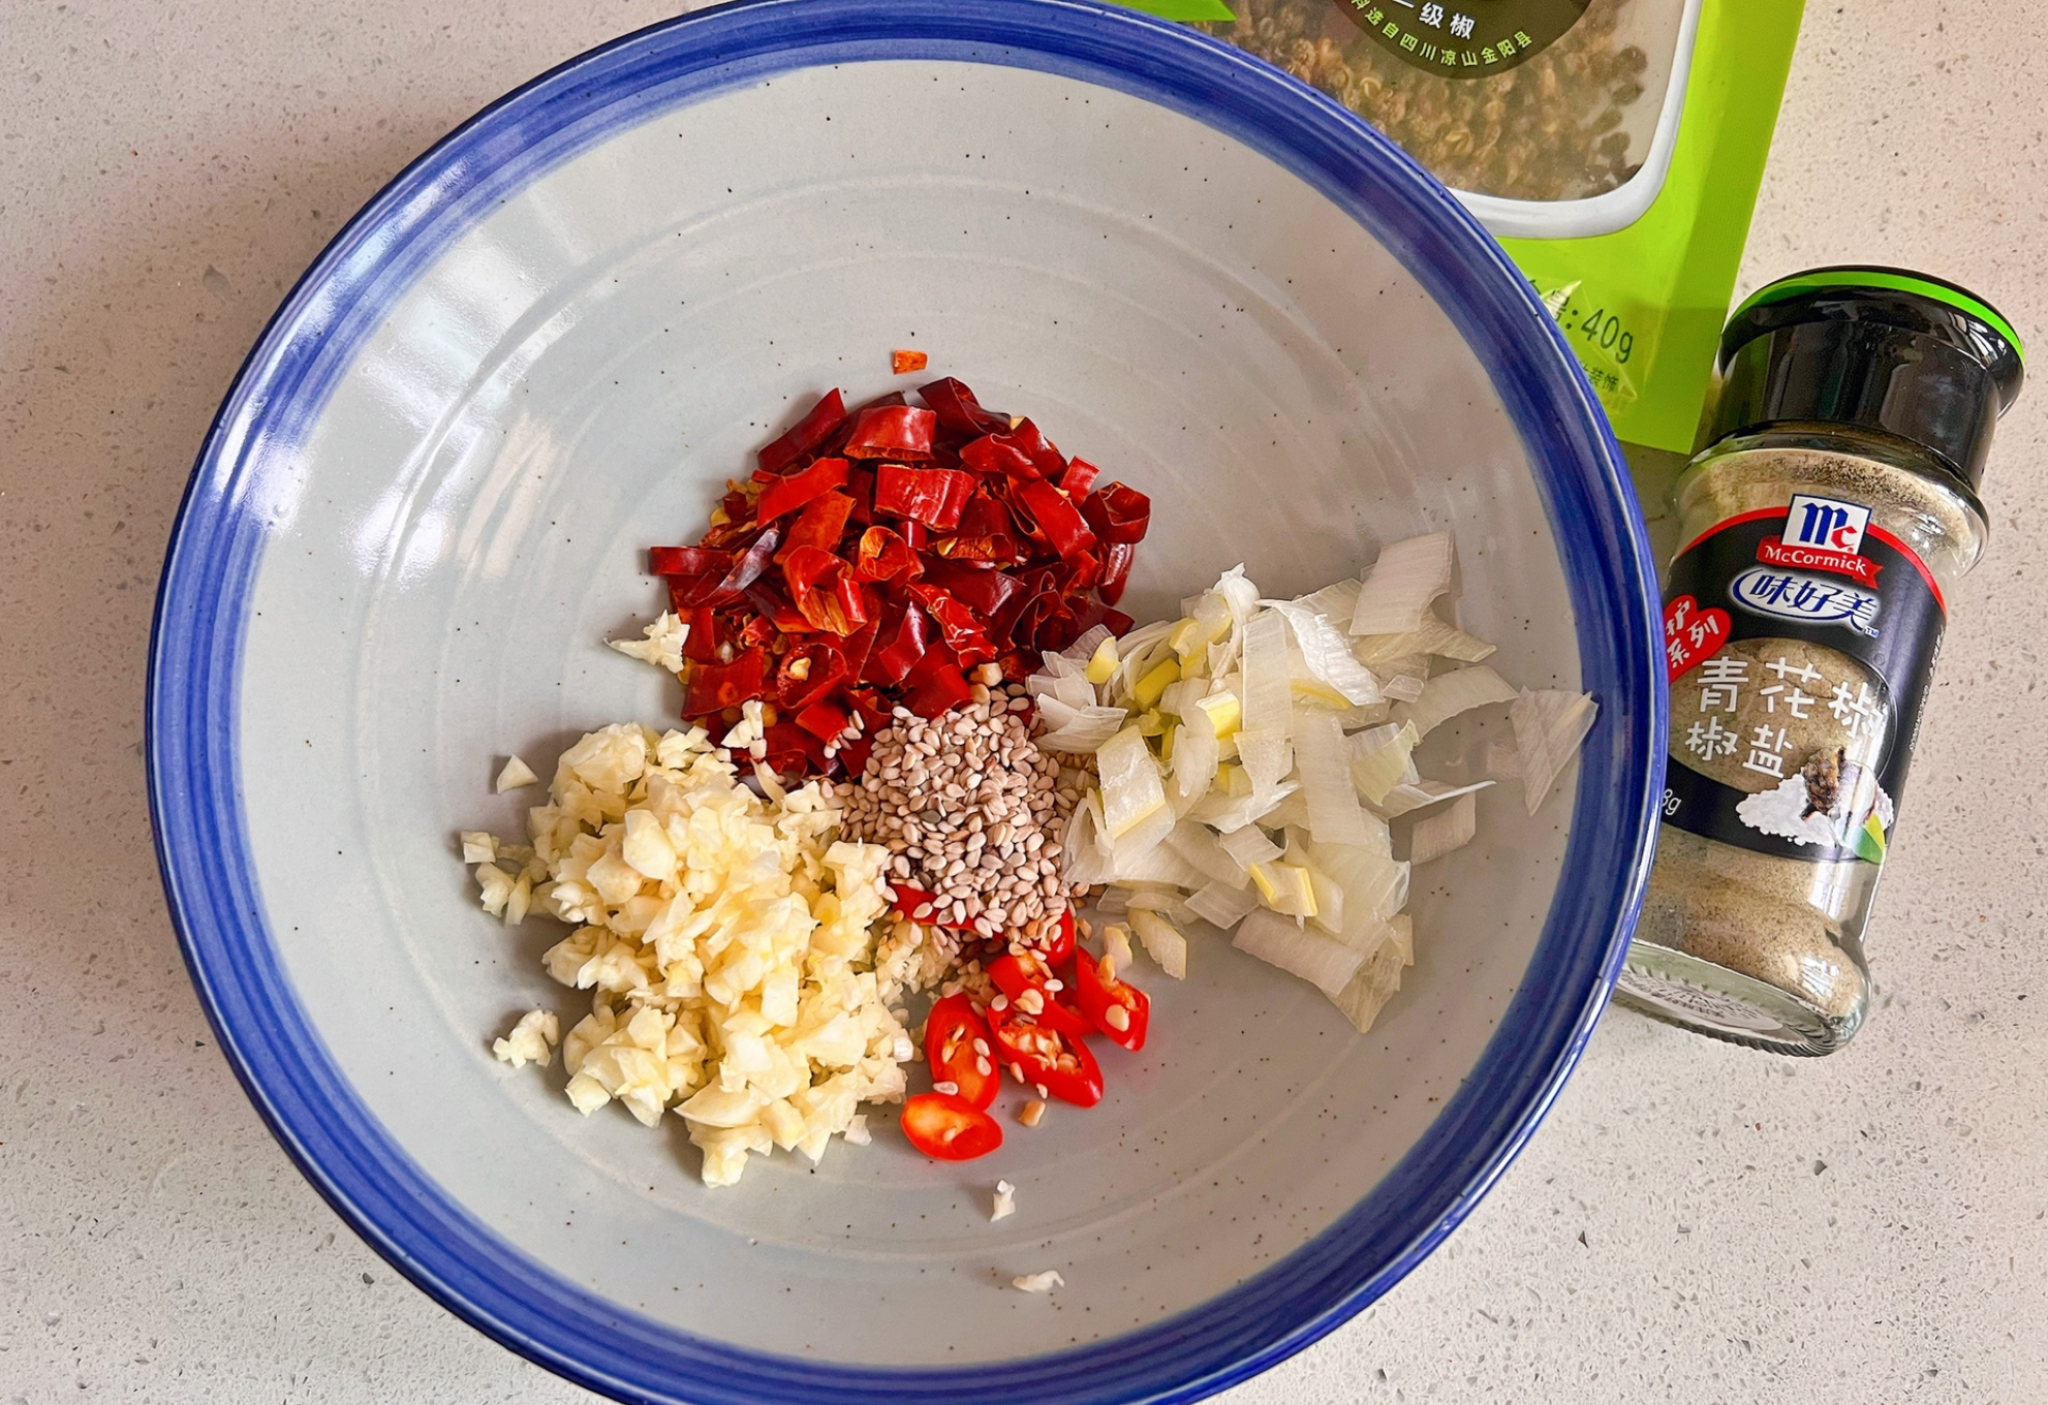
1614 147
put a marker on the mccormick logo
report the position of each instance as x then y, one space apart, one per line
1822 534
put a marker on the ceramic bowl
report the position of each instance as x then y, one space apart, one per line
543 348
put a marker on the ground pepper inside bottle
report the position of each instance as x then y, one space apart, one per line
1834 507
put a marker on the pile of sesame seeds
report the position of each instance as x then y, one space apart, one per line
971 812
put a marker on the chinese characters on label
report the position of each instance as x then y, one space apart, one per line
1784 691
1410 38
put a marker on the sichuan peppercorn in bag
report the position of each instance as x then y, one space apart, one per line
1613 146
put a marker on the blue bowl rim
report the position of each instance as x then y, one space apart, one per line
216 549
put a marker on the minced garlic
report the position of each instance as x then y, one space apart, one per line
726 941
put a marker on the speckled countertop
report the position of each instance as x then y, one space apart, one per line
1693 1223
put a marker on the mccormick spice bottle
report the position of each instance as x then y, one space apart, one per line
1833 508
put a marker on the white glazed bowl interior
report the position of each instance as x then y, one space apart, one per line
457 522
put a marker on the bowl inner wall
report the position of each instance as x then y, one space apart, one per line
573 381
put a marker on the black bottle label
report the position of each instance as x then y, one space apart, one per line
1799 642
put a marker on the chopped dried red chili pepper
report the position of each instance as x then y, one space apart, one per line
912 544
792 751
1118 513
687 594
823 720
804 569
700 645
982 589
899 645
714 687
824 591
959 630
753 561
687 561
885 556
787 492
1079 479
937 684
997 455
820 524
809 673
1116 571
1058 519
1048 460
960 414
933 496
805 435
891 432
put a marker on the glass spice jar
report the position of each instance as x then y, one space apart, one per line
1833 508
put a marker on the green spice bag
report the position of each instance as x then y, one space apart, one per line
1613 146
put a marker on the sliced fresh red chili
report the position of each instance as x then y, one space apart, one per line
902 363
687 561
805 435
1116 571
808 674
891 432
1114 1006
819 524
1055 956
1058 1063
1026 981
956 1045
717 686
1118 513
910 901
788 492
949 1128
